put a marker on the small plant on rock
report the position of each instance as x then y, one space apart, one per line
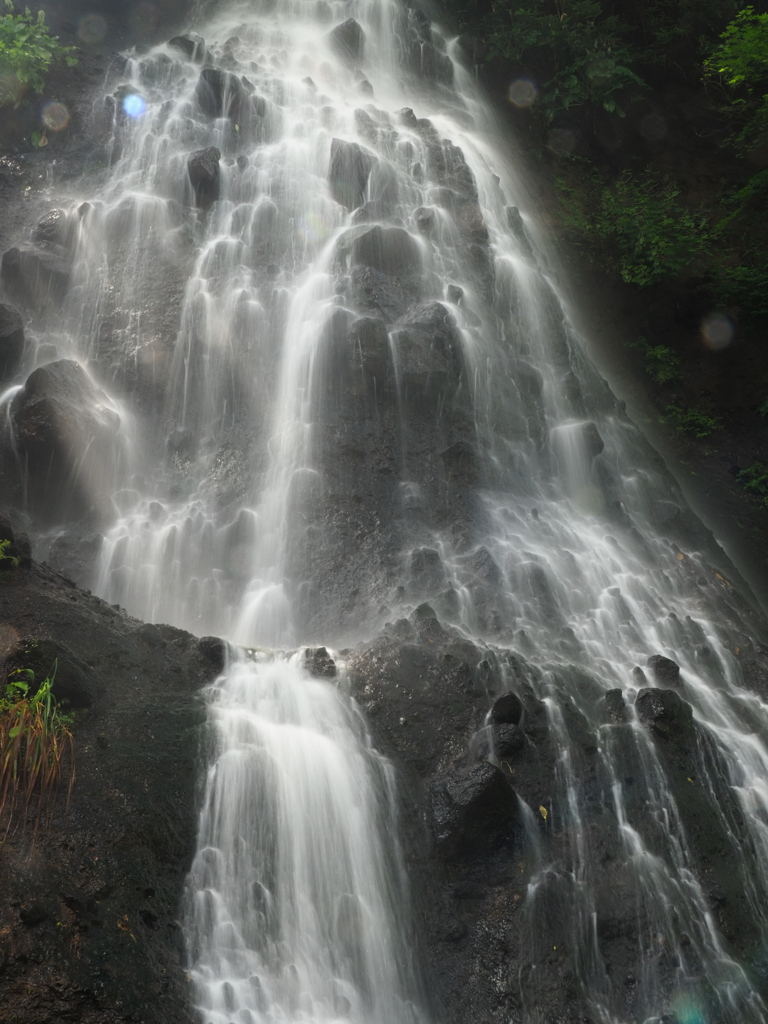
11 560
35 744
27 50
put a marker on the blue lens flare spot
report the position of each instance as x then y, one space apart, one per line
134 105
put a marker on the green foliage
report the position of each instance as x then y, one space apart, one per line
35 743
690 421
5 557
755 480
740 62
27 50
661 364
577 45
637 226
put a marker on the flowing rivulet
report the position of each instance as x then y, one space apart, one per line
346 387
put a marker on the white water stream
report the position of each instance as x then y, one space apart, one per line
248 428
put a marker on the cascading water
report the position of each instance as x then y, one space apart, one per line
351 389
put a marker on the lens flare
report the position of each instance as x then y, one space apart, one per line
717 331
522 93
134 105
92 29
56 117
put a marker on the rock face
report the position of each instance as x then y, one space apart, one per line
348 40
472 810
204 176
101 885
11 341
66 433
35 278
348 172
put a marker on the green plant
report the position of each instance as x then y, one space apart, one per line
577 46
755 480
5 557
27 50
637 226
740 62
660 363
690 421
35 743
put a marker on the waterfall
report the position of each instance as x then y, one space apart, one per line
347 390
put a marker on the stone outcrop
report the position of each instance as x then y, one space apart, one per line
11 341
204 176
101 883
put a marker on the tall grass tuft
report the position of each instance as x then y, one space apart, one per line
35 745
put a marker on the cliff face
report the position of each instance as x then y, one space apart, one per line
90 903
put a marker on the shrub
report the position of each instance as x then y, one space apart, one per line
35 741
740 62
690 421
27 50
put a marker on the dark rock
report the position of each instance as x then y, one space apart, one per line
33 913
429 350
427 572
348 172
507 710
664 711
454 293
348 41
11 341
204 175
214 651
319 663
425 219
68 437
389 250
614 706
122 847
508 740
460 461
58 414
664 669
370 342
221 94
472 810
35 278
192 45
54 230
364 87
74 683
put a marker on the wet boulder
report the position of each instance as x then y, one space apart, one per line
664 711
507 710
67 436
613 707
204 176
472 810
318 662
387 249
11 341
347 41
370 343
664 669
348 172
191 45
34 277
428 347
54 231
222 94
